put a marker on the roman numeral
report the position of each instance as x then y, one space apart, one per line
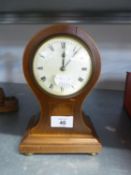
51 86
51 48
40 68
43 78
75 51
84 68
80 79
63 45
41 55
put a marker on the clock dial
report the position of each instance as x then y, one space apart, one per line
62 65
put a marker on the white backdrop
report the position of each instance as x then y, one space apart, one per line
113 41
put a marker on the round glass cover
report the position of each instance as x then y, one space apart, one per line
62 65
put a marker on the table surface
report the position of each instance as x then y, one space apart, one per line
105 108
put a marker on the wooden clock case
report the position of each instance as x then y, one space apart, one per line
40 137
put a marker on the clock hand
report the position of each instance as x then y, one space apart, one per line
64 65
75 52
67 63
63 62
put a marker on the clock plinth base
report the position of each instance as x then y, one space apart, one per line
91 146
51 142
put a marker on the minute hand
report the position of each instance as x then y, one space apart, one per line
67 63
75 52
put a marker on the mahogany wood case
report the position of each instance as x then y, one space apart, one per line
40 137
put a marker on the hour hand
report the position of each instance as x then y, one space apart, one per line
63 59
63 62
63 54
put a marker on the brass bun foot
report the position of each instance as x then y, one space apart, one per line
94 154
7 104
28 154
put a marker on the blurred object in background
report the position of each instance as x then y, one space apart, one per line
127 97
7 104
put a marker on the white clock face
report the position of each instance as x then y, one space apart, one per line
62 66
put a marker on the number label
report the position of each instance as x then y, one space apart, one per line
62 121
